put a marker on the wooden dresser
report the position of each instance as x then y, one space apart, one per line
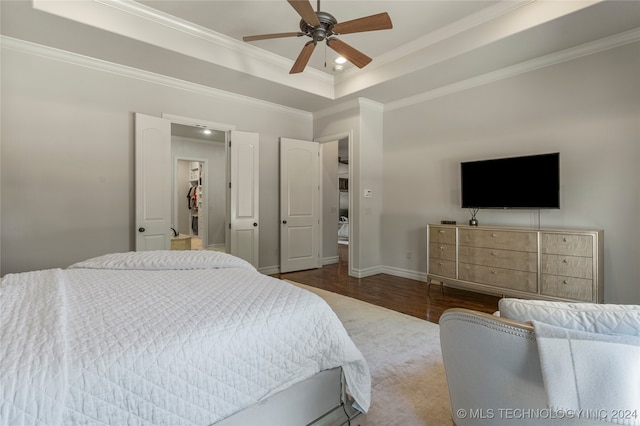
554 264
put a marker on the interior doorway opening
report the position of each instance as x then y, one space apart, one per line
199 199
343 202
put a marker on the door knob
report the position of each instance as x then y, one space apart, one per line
255 224
141 229
284 222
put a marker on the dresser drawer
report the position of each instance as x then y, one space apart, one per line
442 251
508 240
570 266
442 234
505 278
567 287
517 260
574 245
443 268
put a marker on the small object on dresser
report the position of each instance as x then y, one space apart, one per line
473 221
447 222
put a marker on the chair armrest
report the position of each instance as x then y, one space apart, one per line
493 370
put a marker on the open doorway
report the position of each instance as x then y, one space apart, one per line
199 196
343 202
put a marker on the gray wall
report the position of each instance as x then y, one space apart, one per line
67 155
587 109
363 121
67 159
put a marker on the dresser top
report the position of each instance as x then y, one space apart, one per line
518 228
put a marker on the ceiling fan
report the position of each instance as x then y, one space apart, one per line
321 26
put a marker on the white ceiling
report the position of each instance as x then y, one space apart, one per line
434 46
241 18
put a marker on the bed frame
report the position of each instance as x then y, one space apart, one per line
320 400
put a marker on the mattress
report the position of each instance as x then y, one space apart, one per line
176 338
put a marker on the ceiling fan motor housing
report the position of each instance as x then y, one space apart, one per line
324 30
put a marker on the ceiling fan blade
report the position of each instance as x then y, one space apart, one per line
303 58
306 12
268 36
354 56
381 21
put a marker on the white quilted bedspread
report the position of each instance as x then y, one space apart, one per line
154 339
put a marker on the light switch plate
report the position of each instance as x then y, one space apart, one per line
368 193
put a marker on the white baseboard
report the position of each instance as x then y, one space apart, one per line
361 273
405 273
330 260
270 270
367 272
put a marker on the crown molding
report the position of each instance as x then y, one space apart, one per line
454 29
483 28
140 22
51 53
631 36
586 49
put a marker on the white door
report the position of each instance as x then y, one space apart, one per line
244 186
299 205
153 183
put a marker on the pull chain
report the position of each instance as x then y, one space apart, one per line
325 53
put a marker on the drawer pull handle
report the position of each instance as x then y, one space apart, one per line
441 231
493 235
441 247
564 240
440 263
493 271
565 282
493 253
565 261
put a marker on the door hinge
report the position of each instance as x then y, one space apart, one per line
229 143
229 185
229 226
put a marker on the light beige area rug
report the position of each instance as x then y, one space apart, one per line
407 375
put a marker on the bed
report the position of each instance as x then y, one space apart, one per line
174 338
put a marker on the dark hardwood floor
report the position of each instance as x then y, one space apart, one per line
400 294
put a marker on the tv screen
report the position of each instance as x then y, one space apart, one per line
528 182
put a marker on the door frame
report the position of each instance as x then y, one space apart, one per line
348 134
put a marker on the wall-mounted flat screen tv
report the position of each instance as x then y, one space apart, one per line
527 182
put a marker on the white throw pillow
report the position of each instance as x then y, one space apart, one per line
591 317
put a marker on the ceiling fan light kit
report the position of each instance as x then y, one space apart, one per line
321 26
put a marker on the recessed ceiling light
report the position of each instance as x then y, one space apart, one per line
340 60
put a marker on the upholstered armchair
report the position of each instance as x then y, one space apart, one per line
495 373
